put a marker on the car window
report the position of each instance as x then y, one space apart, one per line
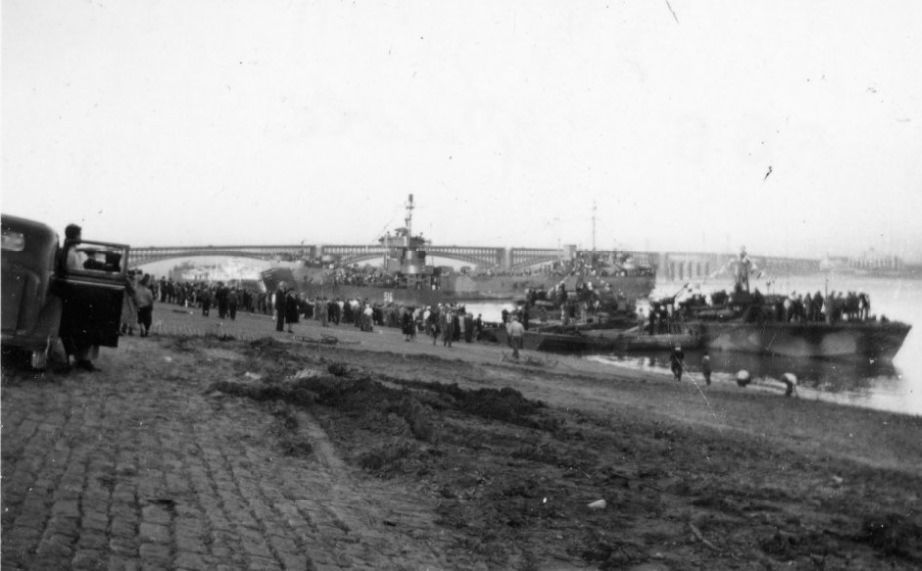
13 241
97 259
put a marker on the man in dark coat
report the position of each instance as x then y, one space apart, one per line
221 297
232 301
77 335
280 307
407 325
206 297
292 304
677 362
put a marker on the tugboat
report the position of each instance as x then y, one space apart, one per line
407 278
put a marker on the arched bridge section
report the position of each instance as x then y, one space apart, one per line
481 256
484 257
520 258
141 256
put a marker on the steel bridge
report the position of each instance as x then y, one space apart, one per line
671 266
481 256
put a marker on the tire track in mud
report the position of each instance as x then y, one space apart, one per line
234 511
362 524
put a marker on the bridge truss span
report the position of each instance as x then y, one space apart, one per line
520 258
669 265
480 256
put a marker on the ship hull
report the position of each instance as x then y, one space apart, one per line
457 289
841 341
857 342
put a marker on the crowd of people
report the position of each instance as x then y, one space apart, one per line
227 299
586 302
443 322
585 264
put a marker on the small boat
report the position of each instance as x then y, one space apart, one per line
584 340
576 341
752 323
631 341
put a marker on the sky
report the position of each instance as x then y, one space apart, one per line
792 128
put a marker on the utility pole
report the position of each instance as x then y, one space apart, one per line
593 226
387 236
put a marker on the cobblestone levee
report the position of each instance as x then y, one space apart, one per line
139 467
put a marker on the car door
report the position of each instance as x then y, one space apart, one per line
93 294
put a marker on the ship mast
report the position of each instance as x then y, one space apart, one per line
408 221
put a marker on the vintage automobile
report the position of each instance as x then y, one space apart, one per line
35 288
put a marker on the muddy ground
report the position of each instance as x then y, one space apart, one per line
550 465
516 476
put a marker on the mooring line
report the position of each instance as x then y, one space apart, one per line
710 408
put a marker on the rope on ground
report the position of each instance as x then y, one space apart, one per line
710 408
700 536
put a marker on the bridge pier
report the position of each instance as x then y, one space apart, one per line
686 267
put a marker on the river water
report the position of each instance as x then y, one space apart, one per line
893 386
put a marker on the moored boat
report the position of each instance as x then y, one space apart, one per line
600 340
590 341
834 328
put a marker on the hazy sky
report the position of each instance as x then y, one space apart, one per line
185 122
